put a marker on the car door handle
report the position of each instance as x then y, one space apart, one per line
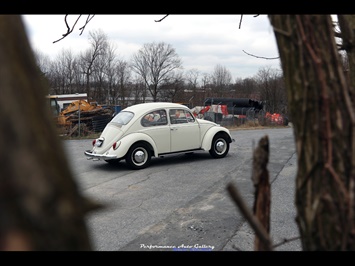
173 128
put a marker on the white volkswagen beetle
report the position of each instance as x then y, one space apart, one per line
146 130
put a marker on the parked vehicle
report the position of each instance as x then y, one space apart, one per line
142 131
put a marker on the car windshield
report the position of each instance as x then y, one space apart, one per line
123 117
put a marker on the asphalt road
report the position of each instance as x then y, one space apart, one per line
181 203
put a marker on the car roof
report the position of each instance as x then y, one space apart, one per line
145 107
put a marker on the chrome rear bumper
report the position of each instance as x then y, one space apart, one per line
96 156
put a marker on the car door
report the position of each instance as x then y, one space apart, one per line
156 126
184 131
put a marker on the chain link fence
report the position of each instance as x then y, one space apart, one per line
248 117
81 124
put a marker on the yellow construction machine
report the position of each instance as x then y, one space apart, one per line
72 111
81 113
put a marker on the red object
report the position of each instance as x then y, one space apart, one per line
275 118
204 110
221 108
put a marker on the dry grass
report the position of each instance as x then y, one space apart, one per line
255 125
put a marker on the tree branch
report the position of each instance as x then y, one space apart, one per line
86 23
160 20
267 58
241 18
70 29
255 224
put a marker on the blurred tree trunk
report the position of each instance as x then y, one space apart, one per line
40 204
322 109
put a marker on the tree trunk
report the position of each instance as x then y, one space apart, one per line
40 204
322 109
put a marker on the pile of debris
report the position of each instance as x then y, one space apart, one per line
84 117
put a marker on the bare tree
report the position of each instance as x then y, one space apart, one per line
221 79
172 89
205 85
79 78
191 78
98 46
67 61
138 90
272 90
123 76
99 75
59 72
110 58
155 63
246 88
192 83
62 73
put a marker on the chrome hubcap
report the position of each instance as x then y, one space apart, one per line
139 156
220 145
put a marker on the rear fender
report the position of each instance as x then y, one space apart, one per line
126 142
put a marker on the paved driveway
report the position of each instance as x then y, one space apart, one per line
181 203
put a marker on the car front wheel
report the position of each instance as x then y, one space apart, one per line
138 156
219 147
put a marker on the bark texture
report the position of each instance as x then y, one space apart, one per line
321 104
40 204
262 202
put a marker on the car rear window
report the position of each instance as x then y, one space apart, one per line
123 118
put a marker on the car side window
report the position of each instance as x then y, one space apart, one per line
189 117
174 115
180 116
155 118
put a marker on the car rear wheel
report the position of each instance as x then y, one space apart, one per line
219 147
138 156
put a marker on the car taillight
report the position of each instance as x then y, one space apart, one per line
93 142
116 145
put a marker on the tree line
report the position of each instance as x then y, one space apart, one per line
154 73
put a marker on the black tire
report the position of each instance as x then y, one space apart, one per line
220 146
138 156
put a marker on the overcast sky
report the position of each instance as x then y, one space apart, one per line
201 41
